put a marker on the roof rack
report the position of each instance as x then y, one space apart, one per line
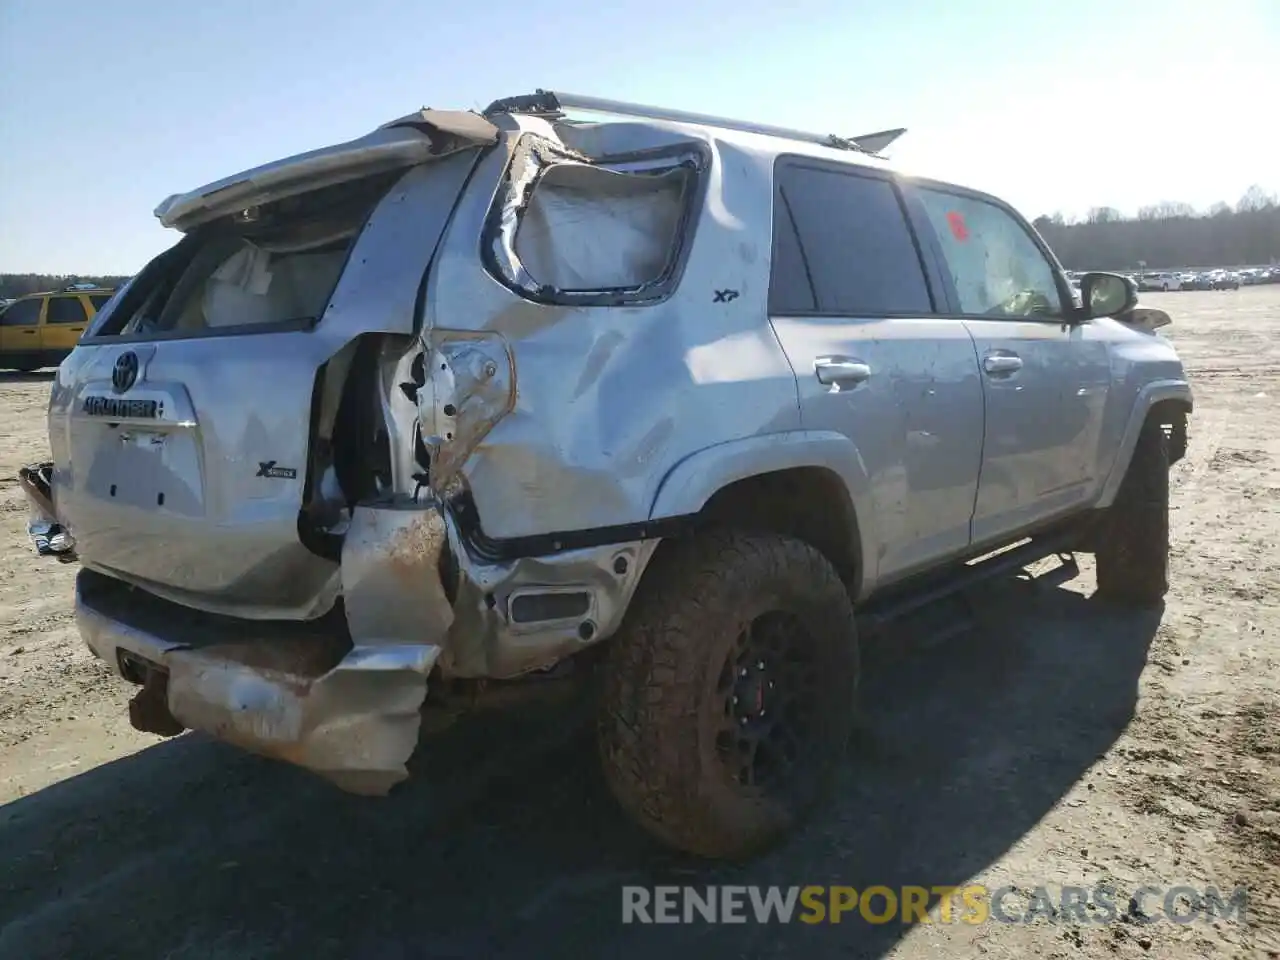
550 103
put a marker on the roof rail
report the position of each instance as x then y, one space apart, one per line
550 103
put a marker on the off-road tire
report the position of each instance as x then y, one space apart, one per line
663 711
1133 539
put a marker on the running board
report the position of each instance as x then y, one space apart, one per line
916 595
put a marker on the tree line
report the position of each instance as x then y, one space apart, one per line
1163 236
14 285
1169 236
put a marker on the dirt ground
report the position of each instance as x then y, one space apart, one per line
1062 744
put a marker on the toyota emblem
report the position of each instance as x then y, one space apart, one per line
125 371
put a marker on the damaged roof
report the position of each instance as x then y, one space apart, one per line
426 134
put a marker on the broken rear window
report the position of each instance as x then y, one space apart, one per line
270 266
570 231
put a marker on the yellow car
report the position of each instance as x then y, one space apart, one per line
40 329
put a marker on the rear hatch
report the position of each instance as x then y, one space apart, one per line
180 426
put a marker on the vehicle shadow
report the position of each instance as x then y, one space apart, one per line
507 843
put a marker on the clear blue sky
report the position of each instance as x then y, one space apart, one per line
108 106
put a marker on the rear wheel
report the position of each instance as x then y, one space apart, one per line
729 693
1133 546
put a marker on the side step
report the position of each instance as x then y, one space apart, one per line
913 596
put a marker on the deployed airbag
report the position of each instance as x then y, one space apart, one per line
591 228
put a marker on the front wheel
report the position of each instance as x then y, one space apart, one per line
1133 547
729 693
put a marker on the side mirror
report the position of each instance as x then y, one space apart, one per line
1107 294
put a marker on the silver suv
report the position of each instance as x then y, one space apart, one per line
479 403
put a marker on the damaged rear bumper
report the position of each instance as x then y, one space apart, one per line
349 713
342 695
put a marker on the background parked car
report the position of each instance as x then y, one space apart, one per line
1255 275
1224 280
41 329
1160 281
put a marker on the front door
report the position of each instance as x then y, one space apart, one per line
1045 376
20 334
853 307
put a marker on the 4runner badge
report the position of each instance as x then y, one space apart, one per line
269 469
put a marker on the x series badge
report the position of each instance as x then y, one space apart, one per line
269 469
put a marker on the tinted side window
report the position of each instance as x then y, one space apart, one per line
99 300
997 268
65 310
855 243
790 290
23 313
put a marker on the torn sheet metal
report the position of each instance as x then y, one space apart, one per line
408 577
355 724
391 585
350 709
349 714
470 386
486 642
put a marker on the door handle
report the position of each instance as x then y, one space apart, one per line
840 371
1001 362
29 333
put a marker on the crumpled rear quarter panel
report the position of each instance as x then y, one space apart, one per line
609 399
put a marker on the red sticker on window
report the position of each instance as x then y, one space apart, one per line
958 229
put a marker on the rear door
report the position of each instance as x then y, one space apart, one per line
20 332
65 319
853 306
1045 376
